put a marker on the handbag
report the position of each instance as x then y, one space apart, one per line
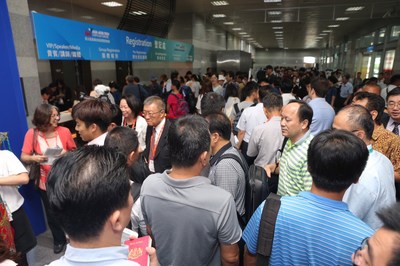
34 167
6 230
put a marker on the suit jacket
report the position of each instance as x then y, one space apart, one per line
385 119
161 158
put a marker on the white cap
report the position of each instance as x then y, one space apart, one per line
221 77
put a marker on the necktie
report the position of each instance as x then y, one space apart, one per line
396 128
152 144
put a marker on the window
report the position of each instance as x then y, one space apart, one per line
394 35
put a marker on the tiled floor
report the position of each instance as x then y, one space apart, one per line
43 253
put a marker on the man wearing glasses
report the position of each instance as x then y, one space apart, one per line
393 108
375 189
383 247
156 153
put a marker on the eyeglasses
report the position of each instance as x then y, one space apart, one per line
151 114
364 244
393 104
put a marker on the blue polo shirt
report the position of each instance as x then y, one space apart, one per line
310 230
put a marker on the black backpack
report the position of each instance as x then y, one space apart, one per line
235 129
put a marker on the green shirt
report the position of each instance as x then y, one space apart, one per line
293 174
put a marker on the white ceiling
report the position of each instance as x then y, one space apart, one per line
303 22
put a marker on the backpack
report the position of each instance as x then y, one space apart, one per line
235 129
243 164
182 108
267 229
190 98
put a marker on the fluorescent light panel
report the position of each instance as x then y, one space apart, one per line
242 33
333 26
55 9
327 31
137 13
342 18
278 32
229 23
236 29
219 3
87 17
274 13
277 28
276 21
111 4
219 15
272 1
354 8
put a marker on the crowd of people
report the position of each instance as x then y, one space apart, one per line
187 143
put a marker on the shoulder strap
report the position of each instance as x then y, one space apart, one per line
236 107
34 140
267 229
237 159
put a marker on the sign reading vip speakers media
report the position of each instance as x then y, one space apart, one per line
63 39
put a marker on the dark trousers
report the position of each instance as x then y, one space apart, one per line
56 231
24 238
243 148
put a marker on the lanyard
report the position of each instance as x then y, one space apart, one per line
133 125
154 141
45 139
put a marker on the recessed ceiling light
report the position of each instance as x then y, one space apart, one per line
229 23
333 26
246 36
319 37
277 28
272 1
55 9
278 32
242 33
274 13
354 8
219 15
323 34
236 28
87 17
250 39
111 4
219 3
327 31
342 18
137 13
279 38
276 21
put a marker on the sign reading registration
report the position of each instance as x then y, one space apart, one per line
63 39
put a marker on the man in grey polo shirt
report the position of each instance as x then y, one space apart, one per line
191 221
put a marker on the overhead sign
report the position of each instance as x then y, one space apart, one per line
63 39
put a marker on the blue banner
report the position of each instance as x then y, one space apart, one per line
62 39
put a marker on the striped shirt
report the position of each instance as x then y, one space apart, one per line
293 174
310 230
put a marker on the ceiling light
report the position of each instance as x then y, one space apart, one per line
323 34
250 39
276 21
342 18
55 9
272 1
319 37
286 48
242 33
111 4
274 13
246 36
279 38
137 13
229 23
219 15
277 28
219 3
87 17
278 32
327 31
236 28
354 8
333 26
